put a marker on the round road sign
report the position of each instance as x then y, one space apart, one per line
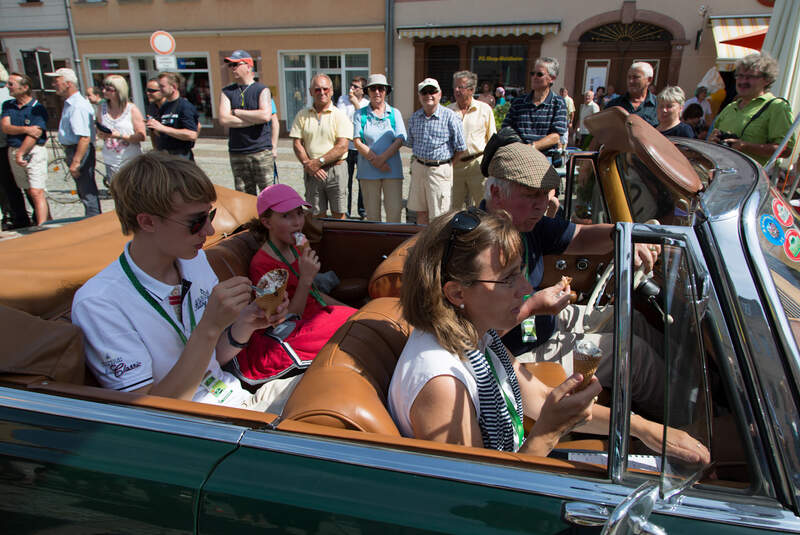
162 43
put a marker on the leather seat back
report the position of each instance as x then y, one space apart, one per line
387 279
348 383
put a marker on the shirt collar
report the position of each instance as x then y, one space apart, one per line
326 109
160 290
546 100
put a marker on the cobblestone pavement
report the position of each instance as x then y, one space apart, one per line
212 156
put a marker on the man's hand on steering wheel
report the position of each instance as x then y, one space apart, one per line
646 254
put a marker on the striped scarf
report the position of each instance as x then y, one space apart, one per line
495 421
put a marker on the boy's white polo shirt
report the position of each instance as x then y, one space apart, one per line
129 345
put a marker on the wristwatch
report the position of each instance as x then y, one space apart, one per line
322 160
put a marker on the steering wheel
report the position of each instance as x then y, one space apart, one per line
599 312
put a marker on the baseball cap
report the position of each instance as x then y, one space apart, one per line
523 164
67 74
280 198
428 82
238 56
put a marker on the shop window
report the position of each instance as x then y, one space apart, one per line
501 65
443 61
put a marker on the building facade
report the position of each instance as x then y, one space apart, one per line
290 42
595 42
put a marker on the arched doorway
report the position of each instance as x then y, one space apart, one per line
617 38
606 52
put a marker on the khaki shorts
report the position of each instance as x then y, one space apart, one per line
33 175
468 184
330 192
430 188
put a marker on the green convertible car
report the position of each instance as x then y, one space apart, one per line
724 301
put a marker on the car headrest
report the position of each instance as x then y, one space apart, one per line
619 131
387 278
347 384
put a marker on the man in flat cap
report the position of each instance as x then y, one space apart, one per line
520 180
245 107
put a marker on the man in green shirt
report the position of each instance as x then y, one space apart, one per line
757 118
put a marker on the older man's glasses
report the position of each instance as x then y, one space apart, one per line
538 74
463 222
196 224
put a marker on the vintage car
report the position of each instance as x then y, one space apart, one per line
723 306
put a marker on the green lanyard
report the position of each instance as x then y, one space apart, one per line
516 422
153 303
314 292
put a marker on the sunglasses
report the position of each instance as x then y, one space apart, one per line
109 88
196 225
429 91
463 222
232 65
355 86
377 88
152 90
320 89
538 74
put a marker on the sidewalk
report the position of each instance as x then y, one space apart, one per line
211 155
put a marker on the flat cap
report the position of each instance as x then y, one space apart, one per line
523 164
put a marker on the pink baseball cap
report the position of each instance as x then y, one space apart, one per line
280 197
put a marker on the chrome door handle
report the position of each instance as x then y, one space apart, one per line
585 514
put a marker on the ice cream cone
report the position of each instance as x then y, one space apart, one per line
585 359
273 286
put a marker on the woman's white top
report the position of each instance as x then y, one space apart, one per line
423 359
116 151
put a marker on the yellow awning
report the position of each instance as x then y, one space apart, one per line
496 30
725 28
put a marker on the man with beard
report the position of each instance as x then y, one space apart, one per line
175 122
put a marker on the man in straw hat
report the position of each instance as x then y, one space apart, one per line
520 180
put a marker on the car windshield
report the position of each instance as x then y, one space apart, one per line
779 240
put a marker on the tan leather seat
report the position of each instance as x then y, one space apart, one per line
347 384
387 279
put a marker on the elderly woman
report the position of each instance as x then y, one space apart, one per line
455 382
670 104
378 134
123 122
756 121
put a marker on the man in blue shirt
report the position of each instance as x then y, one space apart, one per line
175 122
436 138
638 100
24 121
540 117
245 107
76 133
12 203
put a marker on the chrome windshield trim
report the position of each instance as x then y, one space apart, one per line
747 511
133 417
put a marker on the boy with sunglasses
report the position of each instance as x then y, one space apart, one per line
157 320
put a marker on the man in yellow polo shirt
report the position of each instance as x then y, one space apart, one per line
757 120
479 125
321 133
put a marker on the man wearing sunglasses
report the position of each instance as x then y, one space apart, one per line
436 138
320 135
154 101
176 121
540 117
245 107
157 320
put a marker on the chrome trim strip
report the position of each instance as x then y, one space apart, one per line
702 505
125 416
623 312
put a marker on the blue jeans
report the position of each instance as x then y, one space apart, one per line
87 187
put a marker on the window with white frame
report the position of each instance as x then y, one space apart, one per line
36 63
299 67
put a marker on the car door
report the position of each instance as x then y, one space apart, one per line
705 393
76 466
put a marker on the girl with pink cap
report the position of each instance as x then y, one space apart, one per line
287 349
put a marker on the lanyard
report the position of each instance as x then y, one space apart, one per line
516 422
153 303
314 292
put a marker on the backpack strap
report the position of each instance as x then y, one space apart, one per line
761 110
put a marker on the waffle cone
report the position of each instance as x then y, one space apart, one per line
586 367
270 303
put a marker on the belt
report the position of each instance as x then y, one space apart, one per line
472 157
431 163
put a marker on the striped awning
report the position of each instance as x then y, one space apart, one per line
725 28
494 30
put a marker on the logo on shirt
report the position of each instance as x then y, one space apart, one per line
202 300
117 367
